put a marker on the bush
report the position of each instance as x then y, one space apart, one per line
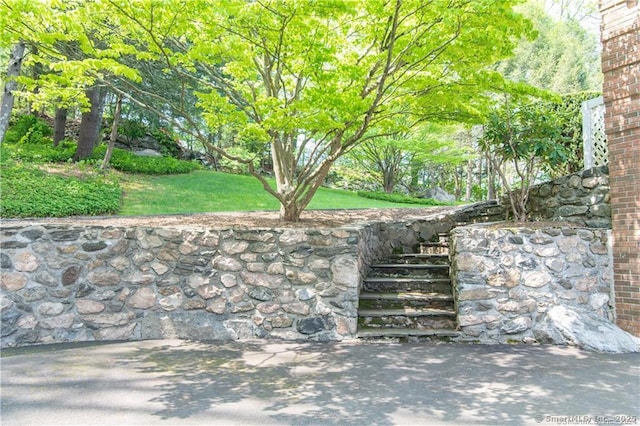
569 111
168 145
29 192
401 198
41 153
128 162
28 129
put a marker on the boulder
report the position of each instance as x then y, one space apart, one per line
574 326
148 153
439 194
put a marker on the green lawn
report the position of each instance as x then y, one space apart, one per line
207 191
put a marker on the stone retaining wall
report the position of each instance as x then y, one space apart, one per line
581 198
507 279
64 284
71 283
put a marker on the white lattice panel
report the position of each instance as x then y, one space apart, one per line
596 150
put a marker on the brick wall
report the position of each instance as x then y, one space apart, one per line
621 90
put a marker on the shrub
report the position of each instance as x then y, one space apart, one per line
168 145
128 162
29 192
28 129
41 153
400 198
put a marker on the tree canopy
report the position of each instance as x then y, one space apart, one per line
563 57
307 80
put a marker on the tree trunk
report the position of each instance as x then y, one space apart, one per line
15 63
90 124
60 125
469 188
457 179
388 180
491 180
114 132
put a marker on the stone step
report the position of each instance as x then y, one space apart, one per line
408 312
409 270
368 333
419 258
434 248
405 300
430 318
396 284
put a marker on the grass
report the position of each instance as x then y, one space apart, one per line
207 191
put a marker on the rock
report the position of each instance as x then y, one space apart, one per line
5 261
439 194
565 325
25 262
226 264
51 309
262 280
13 244
518 325
209 291
60 321
71 274
305 294
296 307
314 325
32 294
147 153
292 237
13 281
171 302
66 235
281 321
94 246
104 277
107 319
474 294
570 210
217 306
345 271
115 333
44 277
140 278
84 306
536 279
143 298
260 294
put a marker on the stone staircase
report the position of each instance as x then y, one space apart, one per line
409 296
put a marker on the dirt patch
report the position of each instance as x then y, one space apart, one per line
241 220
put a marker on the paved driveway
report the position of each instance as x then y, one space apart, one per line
271 382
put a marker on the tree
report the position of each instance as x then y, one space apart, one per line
114 133
15 63
520 138
90 123
308 80
404 153
564 57
59 125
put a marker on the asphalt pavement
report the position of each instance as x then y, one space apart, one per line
349 383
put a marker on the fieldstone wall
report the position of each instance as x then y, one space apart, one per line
71 283
506 280
582 198
64 284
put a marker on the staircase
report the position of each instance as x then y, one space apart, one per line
409 296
